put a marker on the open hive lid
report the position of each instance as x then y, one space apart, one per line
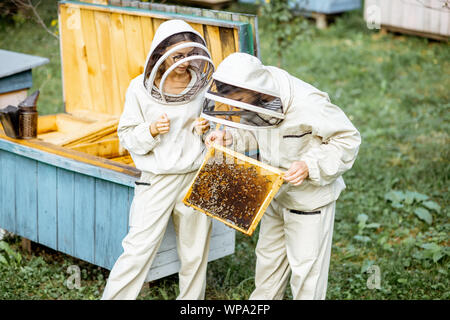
103 47
233 188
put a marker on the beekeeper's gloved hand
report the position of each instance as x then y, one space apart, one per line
223 138
201 126
162 125
297 173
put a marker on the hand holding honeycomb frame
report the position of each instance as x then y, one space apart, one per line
233 188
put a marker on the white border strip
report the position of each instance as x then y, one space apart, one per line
234 124
235 83
244 105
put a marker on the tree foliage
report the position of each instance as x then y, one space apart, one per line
286 23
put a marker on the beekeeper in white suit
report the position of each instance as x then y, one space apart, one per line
159 128
298 129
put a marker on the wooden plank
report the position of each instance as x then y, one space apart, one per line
212 37
197 27
66 158
47 205
444 21
120 54
157 22
130 199
415 33
65 194
13 98
435 23
84 216
96 136
26 198
206 19
120 204
14 82
76 77
394 11
426 17
8 191
111 104
90 116
420 17
253 21
227 42
147 33
107 148
69 61
13 63
86 97
382 12
68 124
123 159
88 132
408 15
236 40
93 53
46 124
134 44
188 10
104 252
104 2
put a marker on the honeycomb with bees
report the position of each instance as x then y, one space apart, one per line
233 188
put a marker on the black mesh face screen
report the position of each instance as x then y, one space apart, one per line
185 58
241 108
237 117
257 99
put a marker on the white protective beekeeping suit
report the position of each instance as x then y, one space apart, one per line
168 163
287 120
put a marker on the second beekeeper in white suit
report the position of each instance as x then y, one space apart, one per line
158 128
297 129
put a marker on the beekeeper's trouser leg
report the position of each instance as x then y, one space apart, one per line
293 244
150 212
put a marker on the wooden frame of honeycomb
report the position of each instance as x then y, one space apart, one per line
233 188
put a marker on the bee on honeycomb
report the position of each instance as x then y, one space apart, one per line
230 190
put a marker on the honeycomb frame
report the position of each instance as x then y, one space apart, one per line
269 181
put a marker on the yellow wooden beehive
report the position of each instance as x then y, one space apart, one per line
233 188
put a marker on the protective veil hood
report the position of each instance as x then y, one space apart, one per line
246 94
246 71
201 66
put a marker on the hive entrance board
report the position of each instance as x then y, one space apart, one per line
233 188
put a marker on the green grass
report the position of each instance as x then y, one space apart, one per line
395 90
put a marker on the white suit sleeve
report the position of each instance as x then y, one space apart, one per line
340 141
133 130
